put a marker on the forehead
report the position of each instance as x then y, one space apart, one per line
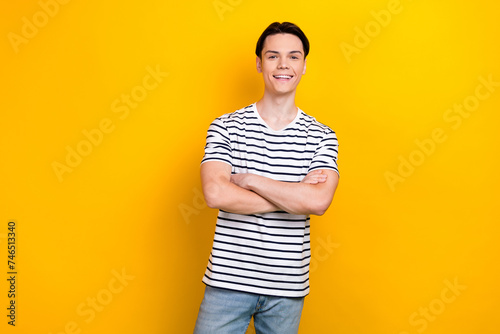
283 43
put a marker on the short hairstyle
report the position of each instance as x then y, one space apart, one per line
282 28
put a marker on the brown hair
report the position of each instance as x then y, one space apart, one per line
282 28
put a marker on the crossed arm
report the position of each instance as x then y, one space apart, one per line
251 193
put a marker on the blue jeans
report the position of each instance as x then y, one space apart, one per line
225 311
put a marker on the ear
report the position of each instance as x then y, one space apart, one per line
259 65
305 65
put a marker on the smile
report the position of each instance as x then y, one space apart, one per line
283 76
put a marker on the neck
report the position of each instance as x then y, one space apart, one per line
277 111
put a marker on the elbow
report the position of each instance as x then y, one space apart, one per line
314 207
319 209
211 201
320 204
318 212
212 196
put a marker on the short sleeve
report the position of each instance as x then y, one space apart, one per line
218 146
325 156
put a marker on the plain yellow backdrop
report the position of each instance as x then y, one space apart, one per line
105 107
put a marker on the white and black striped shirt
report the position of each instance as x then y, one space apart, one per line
266 253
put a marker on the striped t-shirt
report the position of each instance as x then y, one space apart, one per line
268 253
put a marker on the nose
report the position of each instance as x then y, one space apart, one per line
283 64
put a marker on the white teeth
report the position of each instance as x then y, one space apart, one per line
283 76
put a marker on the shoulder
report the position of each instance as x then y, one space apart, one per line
237 119
311 124
238 115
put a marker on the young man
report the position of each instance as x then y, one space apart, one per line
266 167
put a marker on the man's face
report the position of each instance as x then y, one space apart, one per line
282 64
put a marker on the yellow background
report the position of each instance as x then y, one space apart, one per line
380 254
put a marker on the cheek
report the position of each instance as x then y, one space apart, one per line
267 67
299 69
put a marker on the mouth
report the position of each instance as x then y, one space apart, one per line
283 77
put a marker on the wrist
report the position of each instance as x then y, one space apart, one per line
254 182
250 182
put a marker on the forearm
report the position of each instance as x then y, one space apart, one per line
231 198
296 198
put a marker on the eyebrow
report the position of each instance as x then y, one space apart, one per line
272 51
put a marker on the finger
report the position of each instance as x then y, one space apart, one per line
308 179
314 179
321 178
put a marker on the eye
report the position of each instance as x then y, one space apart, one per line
272 57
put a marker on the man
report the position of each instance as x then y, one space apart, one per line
266 167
